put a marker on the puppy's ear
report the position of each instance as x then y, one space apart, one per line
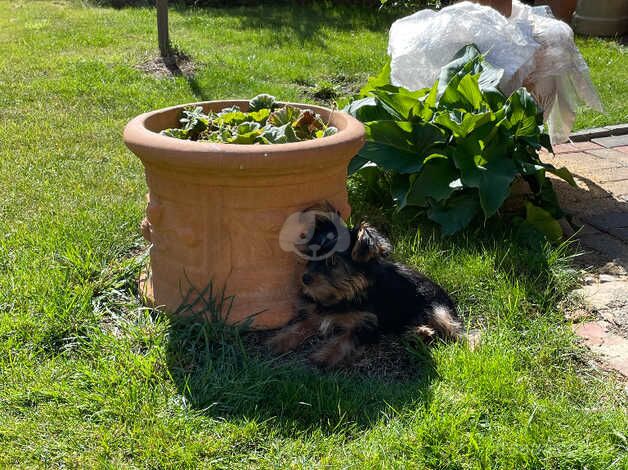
369 244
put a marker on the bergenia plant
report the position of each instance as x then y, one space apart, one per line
265 122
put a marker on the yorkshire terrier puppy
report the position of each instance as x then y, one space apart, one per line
353 296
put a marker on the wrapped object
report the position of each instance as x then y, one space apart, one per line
534 49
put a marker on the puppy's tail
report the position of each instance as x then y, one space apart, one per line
445 323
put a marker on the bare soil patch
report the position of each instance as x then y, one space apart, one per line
180 64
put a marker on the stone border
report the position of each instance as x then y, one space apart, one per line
596 132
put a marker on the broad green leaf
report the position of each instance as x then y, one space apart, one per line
380 81
543 221
367 110
262 101
464 59
455 214
495 100
470 90
246 133
279 135
425 136
495 184
285 115
425 108
396 134
527 168
391 158
356 164
523 114
399 186
546 197
469 60
434 181
545 142
176 132
492 178
461 123
561 172
399 104
395 104
260 116
231 118
194 121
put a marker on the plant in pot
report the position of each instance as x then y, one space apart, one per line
221 184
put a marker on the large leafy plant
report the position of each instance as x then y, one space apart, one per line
455 149
265 122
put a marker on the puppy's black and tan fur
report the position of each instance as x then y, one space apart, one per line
354 296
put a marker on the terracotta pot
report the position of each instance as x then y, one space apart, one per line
561 9
215 210
601 17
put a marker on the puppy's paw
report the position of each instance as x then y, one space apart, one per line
335 352
283 342
426 333
323 359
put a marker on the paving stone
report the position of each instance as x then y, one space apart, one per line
623 148
618 129
613 269
571 147
610 155
588 134
612 141
612 348
611 220
607 245
617 188
604 175
621 233
607 278
581 161
603 295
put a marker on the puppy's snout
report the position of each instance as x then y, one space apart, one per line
314 247
307 279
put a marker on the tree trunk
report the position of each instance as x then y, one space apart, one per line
162 30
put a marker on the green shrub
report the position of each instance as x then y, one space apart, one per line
455 149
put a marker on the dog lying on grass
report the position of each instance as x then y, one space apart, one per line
353 296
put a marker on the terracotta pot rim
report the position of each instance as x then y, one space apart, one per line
143 138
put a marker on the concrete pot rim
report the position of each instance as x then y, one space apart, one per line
141 135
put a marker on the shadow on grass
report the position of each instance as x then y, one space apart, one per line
226 372
298 21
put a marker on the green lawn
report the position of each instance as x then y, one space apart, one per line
89 378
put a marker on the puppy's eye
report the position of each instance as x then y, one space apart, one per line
302 236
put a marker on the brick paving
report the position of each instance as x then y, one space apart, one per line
600 202
599 206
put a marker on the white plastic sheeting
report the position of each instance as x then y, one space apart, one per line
534 49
